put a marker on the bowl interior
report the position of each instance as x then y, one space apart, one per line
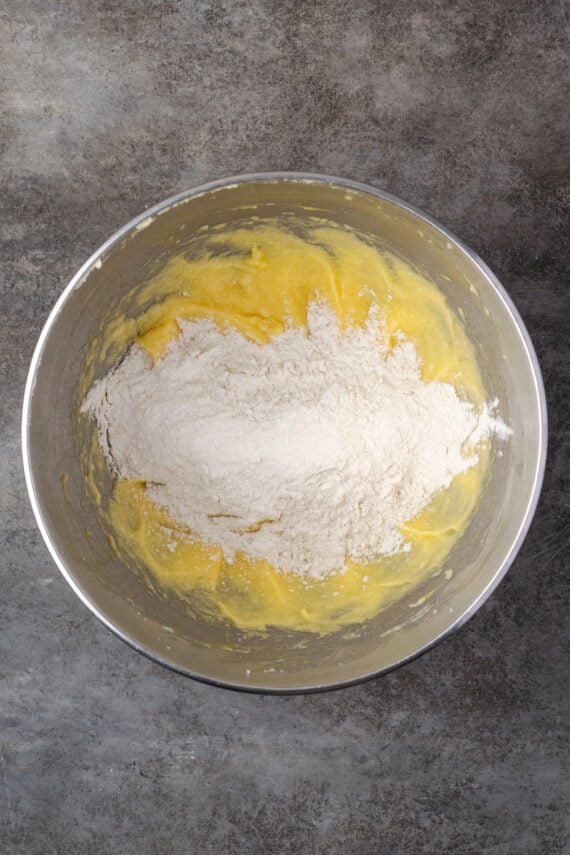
159 625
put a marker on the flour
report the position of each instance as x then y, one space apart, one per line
309 450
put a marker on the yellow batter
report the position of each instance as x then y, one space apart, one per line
259 280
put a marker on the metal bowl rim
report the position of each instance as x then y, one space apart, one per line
300 177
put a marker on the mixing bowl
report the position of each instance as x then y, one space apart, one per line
160 626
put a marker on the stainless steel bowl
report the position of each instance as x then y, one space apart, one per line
159 625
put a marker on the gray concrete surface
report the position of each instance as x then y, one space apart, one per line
459 107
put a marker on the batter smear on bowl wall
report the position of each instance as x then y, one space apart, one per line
296 423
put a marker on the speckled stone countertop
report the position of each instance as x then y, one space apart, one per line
457 107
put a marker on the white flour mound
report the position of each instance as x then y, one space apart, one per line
308 450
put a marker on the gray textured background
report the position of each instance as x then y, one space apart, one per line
459 108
